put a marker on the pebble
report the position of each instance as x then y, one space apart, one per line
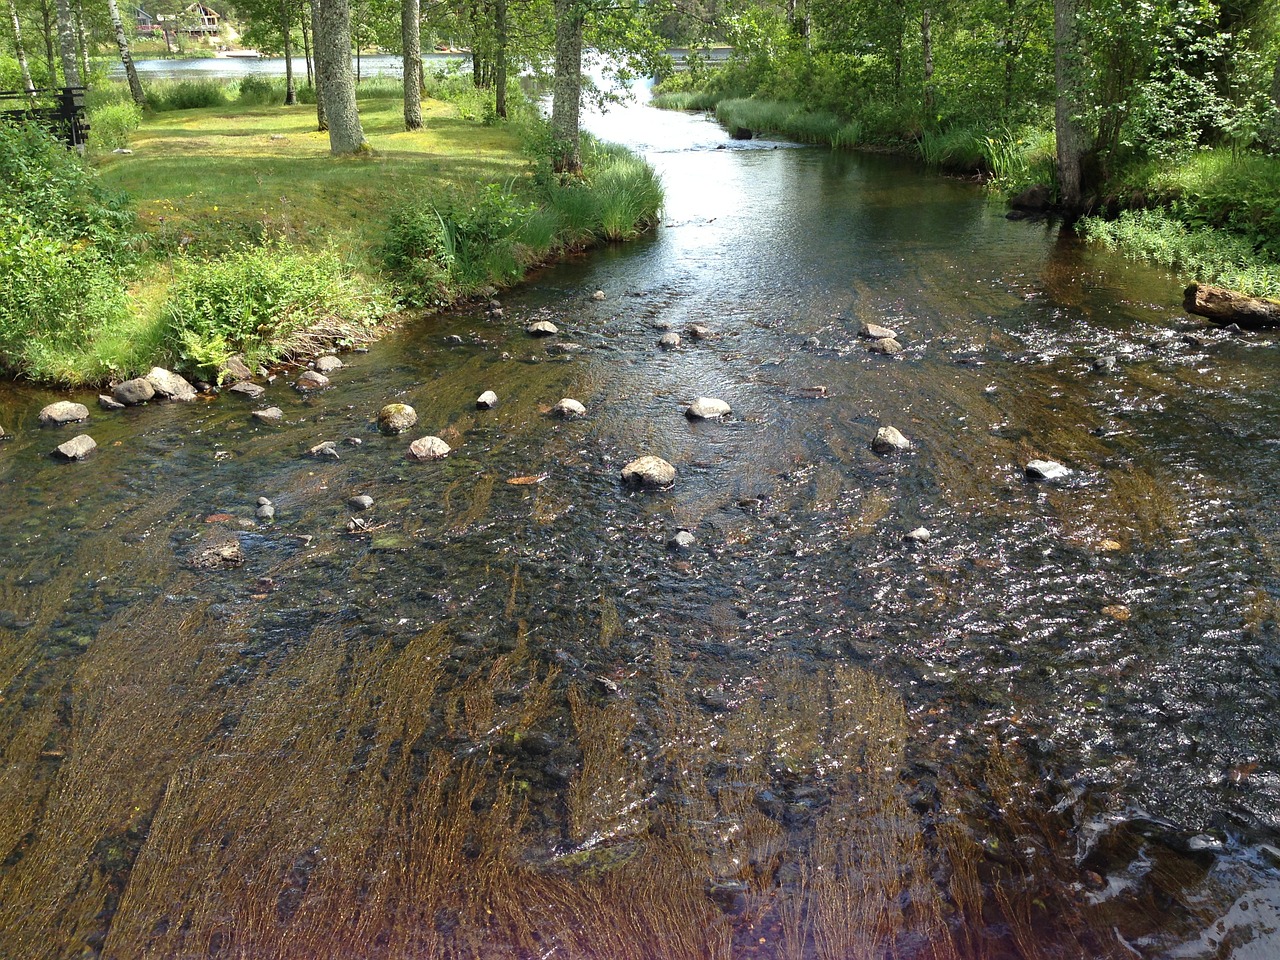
890 440
361 502
109 403
873 331
569 409
264 502
487 400
310 380
707 408
542 328
352 441
887 346
598 295
64 411
326 449
396 417
266 512
683 540
77 448
1045 470
669 341
696 331
1104 365
328 364
269 415
428 448
649 471
133 392
248 389
918 535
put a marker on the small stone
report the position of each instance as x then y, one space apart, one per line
542 328
918 535
696 331
428 448
1117 611
3 435
361 502
873 331
277 136
326 449
649 471
890 440
327 365
1045 470
598 295
264 501
352 441
565 347
269 415
64 411
495 312
123 151
310 380
1109 546
109 403
237 369
77 448
707 408
453 340
1104 365
569 409
887 346
487 400
170 385
683 540
396 417
133 392
816 392
266 512
669 341
245 388
812 343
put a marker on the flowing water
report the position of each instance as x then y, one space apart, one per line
508 720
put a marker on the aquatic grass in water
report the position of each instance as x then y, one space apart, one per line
785 118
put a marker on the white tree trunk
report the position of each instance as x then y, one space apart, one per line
126 57
566 96
411 36
67 45
21 50
333 70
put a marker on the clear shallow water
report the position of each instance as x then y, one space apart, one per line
509 721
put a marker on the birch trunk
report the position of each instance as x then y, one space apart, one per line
126 57
67 45
500 58
333 69
411 37
20 50
566 97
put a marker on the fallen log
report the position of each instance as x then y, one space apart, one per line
1226 306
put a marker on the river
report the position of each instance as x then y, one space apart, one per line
510 720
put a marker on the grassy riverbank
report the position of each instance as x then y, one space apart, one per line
230 229
1212 214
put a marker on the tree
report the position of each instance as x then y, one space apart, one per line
411 41
566 93
20 50
1067 128
332 31
126 58
67 45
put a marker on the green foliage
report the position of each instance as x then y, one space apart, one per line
259 302
1206 253
11 73
259 91
187 94
111 125
787 118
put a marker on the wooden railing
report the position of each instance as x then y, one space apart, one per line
60 109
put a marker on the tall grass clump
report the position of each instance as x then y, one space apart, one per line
958 149
169 95
266 303
685 100
1207 253
627 191
782 117
256 91
111 125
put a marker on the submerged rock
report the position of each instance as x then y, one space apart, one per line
707 408
109 403
649 471
245 388
669 341
396 417
310 380
1046 470
62 412
133 392
887 346
565 347
428 448
77 448
873 331
223 553
569 409
890 440
326 449
487 400
328 364
269 415
697 331
170 385
542 328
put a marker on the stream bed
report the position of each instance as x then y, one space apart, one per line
510 720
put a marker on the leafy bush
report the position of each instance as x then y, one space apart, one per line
265 303
187 95
256 91
111 125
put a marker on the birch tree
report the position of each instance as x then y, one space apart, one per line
126 57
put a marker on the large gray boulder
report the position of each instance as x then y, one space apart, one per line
62 412
170 385
649 471
133 392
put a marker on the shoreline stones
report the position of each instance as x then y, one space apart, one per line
77 448
890 440
269 415
428 448
707 408
649 471
170 385
1045 470
360 502
487 400
569 409
63 412
310 380
246 388
237 369
109 403
396 418
327 364
542 328
873 331
133 392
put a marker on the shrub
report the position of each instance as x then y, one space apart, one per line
266 303
256 91
111 125
187 95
